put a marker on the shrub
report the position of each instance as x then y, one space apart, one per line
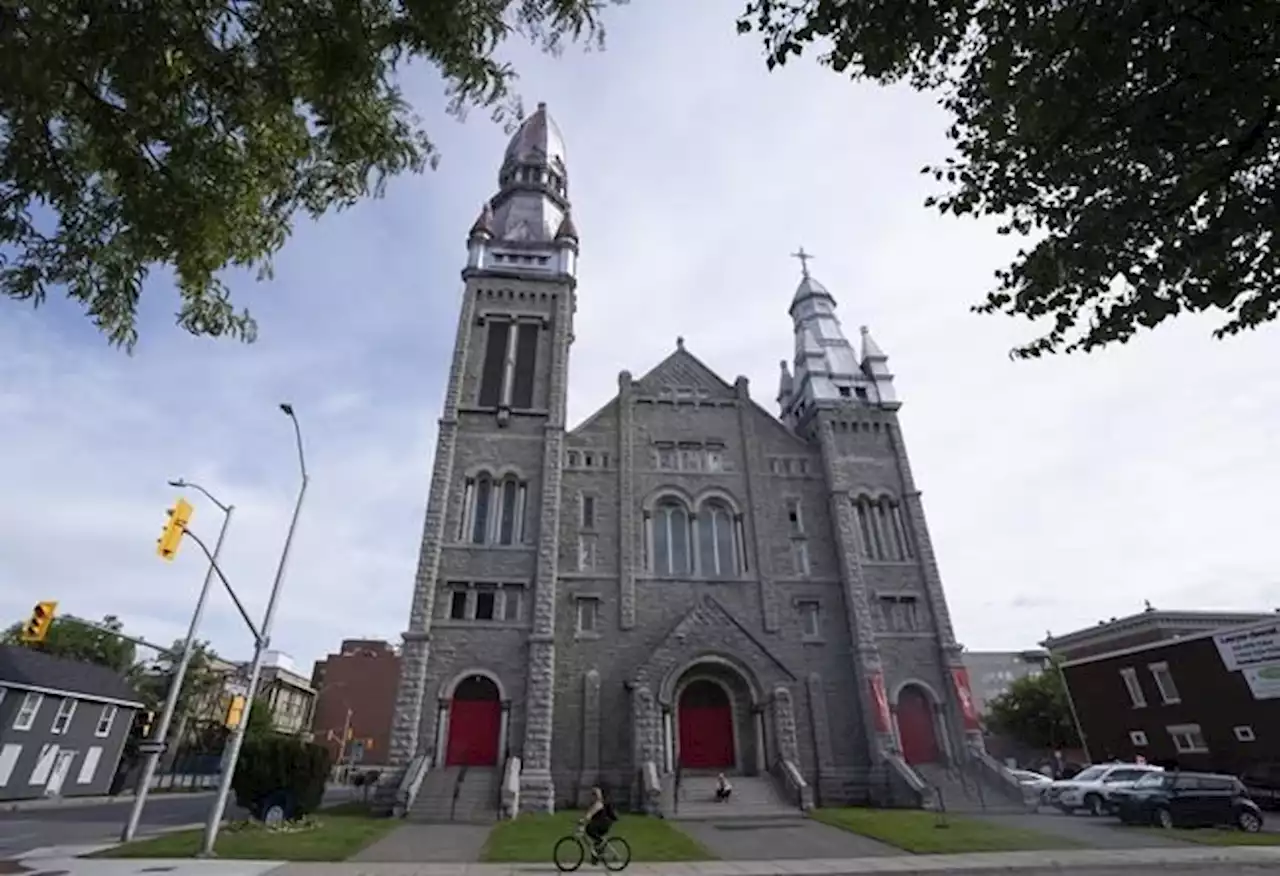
280 770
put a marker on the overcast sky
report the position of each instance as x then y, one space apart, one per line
1058 492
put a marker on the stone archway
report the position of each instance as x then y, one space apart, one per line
712 723
475 723
917 729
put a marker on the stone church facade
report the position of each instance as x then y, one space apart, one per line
682 582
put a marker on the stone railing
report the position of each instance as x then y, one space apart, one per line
650 788
798 790
1004 781
411 783
510 803
925 795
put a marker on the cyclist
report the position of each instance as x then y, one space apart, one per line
599 818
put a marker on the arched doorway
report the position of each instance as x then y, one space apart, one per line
916 729
475 723
705 715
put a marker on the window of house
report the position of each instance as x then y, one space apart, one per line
586 553
1164 683
800 557
670 523
1138 738
62 720
512 602
667 457
900 614
1130 677
810 618
1244 733
494 512
588 615
1187 738
690 458
573 459
844 391
882 530
588 460
458 602
510 364
486 602
860 392
715 458
27 711
105 720
794 518
588 511
716 549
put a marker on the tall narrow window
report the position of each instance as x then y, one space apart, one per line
794 520
588 615
1129 676
495 364
716 547
510 506
671 539
588 511
62 720
480 512
525 366
900 532
1164 683
800 557
864 528
810 618
486 602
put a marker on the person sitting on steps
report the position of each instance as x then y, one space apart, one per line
723 789
599 818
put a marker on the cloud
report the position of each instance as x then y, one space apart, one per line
1057 492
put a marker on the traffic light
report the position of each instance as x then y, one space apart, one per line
37 626
235 711
179 516
148 718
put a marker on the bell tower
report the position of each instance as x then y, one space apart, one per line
483 610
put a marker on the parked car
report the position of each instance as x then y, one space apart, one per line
1091 788
1262 781
1033 784
1188 800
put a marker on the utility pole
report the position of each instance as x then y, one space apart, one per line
156 746
263 640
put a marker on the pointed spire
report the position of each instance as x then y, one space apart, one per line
870 349
483 226
785 385
567 231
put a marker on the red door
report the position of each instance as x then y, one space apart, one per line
916 726
706 727
475 722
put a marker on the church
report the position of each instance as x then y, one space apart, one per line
683 585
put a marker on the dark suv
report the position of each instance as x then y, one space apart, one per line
1188 800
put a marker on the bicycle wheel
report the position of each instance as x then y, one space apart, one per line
616 853
568 854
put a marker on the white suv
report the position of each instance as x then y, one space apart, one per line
1090 788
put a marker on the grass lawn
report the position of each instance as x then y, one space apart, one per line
532 838
342 831
914 830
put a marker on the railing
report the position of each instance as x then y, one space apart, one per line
457 792
652 785
509 796
411 783
909 776
1007 783
675 794
789 774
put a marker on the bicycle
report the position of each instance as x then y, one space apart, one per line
570 851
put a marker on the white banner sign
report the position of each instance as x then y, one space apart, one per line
1264 681
1252 645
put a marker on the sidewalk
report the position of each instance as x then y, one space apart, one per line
1266 858
58 802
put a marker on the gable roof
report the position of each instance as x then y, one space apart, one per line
27 668
683 370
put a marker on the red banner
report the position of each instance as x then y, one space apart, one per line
960 676
881 701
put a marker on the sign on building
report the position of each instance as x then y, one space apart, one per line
1249 646
1264 681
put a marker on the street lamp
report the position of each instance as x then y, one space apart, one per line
260 648
175 684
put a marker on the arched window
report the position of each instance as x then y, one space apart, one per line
670 525
717 550
882 528
510 524
480 509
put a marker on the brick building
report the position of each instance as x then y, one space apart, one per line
360 677
1205 701
683 579
1146 627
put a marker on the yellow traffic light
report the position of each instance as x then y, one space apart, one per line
179 516
148 718
37 626
235 711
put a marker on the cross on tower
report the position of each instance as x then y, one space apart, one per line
804 260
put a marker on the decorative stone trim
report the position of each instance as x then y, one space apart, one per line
763 564
626 508
590 730
784 725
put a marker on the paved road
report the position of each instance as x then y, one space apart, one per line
102 823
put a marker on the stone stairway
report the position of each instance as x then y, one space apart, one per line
476 800
753 798
964 790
